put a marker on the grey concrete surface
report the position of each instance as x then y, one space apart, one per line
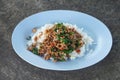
13 67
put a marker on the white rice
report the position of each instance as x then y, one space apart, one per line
87 39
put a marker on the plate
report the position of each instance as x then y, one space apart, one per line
91 25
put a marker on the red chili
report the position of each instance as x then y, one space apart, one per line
78 50
52 44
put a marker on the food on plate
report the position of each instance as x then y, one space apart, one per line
58 41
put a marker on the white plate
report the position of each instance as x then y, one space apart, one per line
94 27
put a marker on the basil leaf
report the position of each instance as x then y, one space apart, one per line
35 51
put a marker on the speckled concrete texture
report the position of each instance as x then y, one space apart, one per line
13 67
